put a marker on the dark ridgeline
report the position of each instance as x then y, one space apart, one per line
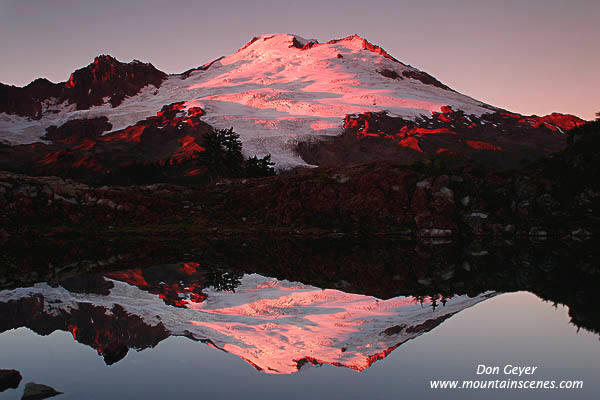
105 77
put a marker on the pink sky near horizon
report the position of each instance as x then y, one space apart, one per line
531 57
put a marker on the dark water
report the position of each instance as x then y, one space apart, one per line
187 330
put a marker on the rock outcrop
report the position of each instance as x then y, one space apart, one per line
111 331
79 150
498 139
9 379
36 391
105 79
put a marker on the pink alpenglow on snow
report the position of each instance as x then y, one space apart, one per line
277 90
276 326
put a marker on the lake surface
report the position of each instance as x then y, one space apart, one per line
184 331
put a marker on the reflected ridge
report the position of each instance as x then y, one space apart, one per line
275 325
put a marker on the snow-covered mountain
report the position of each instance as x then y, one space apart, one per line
277 326
276 91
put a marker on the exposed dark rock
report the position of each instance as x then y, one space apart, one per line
78 129
425 78
9 379
86 87
27 101
497 140
388 73
394 330
173 283
36 391
172 138
89 283
428 325
110 331
305 46
173 146
367 46
254 39
204 67
107 77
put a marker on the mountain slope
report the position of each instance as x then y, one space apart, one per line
276 91
104 80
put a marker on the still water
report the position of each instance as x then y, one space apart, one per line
185 334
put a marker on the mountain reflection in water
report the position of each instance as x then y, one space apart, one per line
275 325
284 304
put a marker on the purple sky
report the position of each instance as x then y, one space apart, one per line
529 56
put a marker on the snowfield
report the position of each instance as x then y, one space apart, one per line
273 324
272 94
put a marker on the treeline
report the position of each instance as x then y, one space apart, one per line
222 158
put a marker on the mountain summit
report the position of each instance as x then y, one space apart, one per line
281 92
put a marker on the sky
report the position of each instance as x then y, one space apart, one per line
528 56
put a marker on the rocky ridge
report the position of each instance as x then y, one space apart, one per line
105 79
